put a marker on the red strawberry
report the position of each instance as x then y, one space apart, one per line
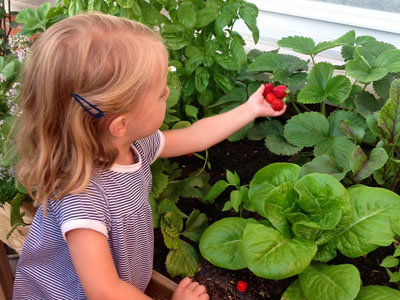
241 285
267 89
270 98
280 91
277 105
189 155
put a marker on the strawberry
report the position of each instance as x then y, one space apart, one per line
270 97
189 155
277 105
267 89
280 91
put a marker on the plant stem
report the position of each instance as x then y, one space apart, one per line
396 179
305 107
323 108
204 165
296 108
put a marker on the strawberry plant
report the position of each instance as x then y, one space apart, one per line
341 119
167 189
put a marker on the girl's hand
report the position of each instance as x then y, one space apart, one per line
190 290
261 108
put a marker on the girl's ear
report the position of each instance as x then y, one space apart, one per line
118 126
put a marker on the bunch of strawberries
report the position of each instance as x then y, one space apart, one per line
274 95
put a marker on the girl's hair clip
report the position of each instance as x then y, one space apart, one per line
99 113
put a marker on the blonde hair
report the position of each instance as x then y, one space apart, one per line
111 62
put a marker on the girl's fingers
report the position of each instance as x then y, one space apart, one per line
185 282
201 289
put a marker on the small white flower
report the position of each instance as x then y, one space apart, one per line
171 69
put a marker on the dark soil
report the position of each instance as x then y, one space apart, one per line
247 157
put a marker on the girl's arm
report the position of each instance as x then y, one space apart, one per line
95 267
209 131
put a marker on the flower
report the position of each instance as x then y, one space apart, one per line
19 46
171 69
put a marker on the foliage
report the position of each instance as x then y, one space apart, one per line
391 263
238 197
306 219
203 47
342 119
167 189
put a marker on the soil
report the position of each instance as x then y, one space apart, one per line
247 157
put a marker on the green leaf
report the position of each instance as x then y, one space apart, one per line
377 292
191 111
338 148
183 261
323 164
359 70
224 20
233 178
366 103
277 144
269 255
167 205
238 53
205 16
362 166
306 129
373 209
192 63
236 200
266 62
186 15
216 190
299 44
201 79
352 131
267 179
389 60
294 292
249 12
341 282
320 196
171 226
338 89
389 262
173 97
340 115
224 82
311 94
16 215
263 129
320 74
195 226
221 243
389 116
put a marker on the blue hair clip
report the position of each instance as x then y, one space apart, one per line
99 113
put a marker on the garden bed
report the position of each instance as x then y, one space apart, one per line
247 157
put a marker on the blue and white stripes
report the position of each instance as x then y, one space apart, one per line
115 204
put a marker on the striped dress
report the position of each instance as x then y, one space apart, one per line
115 204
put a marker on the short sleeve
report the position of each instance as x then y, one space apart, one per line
151 146
88 209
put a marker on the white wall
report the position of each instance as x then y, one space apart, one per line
320 21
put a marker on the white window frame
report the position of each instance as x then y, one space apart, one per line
319 20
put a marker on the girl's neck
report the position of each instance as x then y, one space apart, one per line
126 157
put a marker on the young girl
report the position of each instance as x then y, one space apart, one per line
93 98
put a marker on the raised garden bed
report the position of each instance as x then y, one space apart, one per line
246 157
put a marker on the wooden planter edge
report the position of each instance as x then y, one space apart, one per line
160 287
